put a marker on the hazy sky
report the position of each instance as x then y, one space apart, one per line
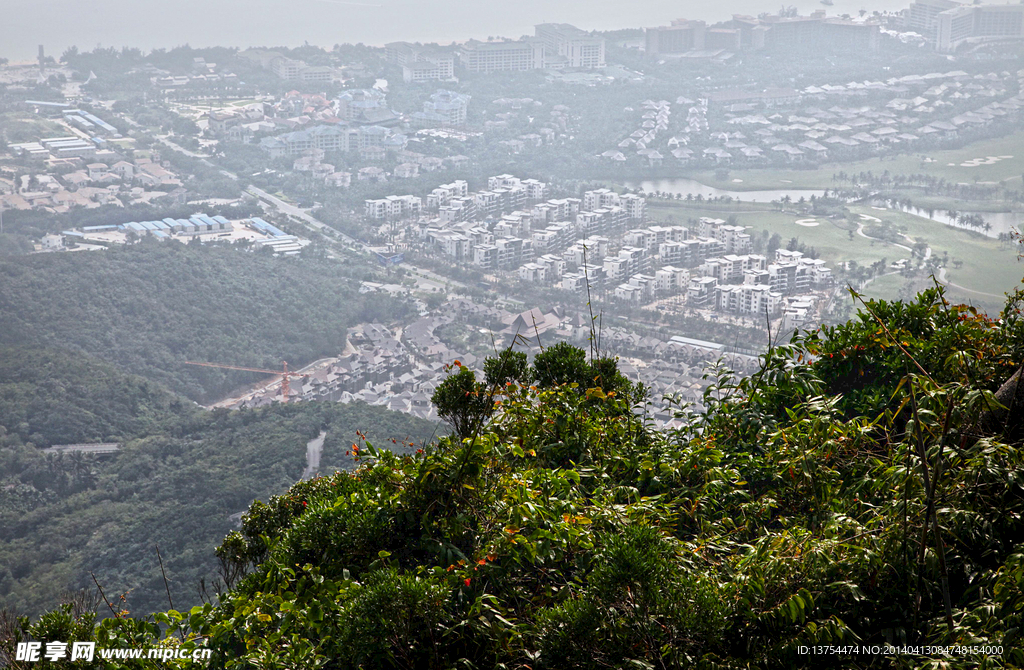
148 24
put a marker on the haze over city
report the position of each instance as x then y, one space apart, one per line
148 24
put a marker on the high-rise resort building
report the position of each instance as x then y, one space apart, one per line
949 24
506 55
568 46
679 38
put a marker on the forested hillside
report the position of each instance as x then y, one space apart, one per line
865 487
147 308
180 475
53 396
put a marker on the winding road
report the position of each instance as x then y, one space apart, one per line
313 450
941 277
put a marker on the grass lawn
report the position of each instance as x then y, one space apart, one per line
893 286
989 267
21 127
1012 168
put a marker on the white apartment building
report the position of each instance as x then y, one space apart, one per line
587 249
601 197
747 299
669 233
644 238
634 206
393 207
503 181
700 292
629 293
735 238
568 46
670 280
792 273
444 193
730 268
689 252
506 55
554 266
286 68
535 190
629 261
445 108
798 312
450 242
533 272
420 63
574 281
485 256
520 223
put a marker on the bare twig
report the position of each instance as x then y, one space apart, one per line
103 595
595 345
892 337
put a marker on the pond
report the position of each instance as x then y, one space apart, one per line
1000 222
689 186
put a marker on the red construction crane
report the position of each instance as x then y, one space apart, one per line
284 374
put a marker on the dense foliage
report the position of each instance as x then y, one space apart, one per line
50 396
172 303
808 507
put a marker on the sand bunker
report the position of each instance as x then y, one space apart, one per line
988 160
865 217
807 223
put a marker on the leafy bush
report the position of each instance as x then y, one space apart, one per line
807 507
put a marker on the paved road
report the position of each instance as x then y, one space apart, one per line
299 213
942 278
202 157
927 254
860 231
313 449
273 383
303 215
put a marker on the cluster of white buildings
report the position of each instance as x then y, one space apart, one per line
371 142
286 68
446 109
421 63
79 174
827 121
455 203
556 46
510 226
749 285
713 266
531 240
669 249
654 118
197 224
